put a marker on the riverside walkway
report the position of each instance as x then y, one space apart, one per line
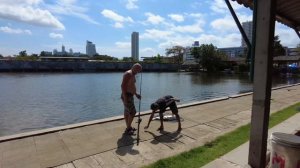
101 143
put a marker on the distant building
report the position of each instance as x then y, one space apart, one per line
234 52
63 49
247 26
70 51
90 49
188 58
292 52
135 46
196 44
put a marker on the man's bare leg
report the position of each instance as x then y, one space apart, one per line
126 117
179 123
161 128
130 119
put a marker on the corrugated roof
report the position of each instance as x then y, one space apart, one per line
287 11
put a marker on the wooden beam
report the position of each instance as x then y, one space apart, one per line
265 23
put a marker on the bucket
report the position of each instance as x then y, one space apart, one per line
285 152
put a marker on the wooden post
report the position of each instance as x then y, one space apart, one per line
265 19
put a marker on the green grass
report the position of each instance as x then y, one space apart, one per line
200 156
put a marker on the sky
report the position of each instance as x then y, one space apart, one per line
44 25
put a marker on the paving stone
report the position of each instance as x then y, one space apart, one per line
109 160
69 165
88 162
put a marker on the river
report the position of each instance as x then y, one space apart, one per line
33 101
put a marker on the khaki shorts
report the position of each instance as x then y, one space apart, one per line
130 107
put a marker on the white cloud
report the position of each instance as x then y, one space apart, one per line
30 15
228 40
155 34
131 4
220 6
56 36
287 36
123 45
227 24
194 28
182 40
19 2
118 19
144 52
9 30
154 19
224 24
118 25
176 17
196 15
69 7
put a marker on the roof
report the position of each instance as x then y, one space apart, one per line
287 11
287 58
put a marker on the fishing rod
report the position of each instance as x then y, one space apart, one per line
139 115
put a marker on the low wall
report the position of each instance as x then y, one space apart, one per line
82 66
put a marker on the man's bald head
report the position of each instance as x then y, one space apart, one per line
136 68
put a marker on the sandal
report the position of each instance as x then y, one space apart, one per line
129 131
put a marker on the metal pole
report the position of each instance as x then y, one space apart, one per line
238 24
139 115
297 32
249 53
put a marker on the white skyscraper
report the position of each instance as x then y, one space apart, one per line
90 49
247 26
135 46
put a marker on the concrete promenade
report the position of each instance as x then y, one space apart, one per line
99 144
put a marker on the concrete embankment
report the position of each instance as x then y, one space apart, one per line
102 143
79 66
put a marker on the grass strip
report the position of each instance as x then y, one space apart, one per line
200 156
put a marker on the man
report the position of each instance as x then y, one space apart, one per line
128 91
161 104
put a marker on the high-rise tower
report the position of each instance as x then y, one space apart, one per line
247 26
90 49
135 46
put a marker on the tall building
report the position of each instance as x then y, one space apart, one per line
63 49
135 46
247 26
90 49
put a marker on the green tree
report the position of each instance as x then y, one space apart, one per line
278 48
1 56
104 57
23 53
209 57
127 59
177 52
42 54
157 58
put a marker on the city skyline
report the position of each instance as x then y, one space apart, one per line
38 25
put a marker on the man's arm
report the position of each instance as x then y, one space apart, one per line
150 119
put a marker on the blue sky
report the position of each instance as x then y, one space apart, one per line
44 25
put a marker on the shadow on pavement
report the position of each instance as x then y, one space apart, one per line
125 145
166 137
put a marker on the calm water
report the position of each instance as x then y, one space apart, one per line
31 101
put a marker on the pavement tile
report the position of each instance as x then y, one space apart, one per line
109 160
88 162
69 165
